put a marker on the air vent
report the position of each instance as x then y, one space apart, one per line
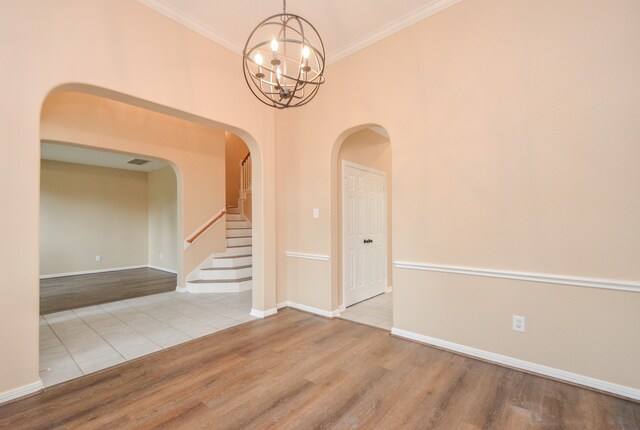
138 161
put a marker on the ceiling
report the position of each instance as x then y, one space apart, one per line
76 154
345 26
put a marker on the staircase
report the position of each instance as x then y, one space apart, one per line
229 271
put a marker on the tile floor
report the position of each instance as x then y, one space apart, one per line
376 311
77 342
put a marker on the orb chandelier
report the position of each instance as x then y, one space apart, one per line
284 60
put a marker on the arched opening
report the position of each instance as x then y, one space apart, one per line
361 226
109 123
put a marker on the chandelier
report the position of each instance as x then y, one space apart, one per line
284 60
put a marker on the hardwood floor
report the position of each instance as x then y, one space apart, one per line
73 292
296 370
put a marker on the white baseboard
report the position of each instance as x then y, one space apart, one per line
263 314
25 390
389 289
89 272
321 312
586 381
162 269
180 289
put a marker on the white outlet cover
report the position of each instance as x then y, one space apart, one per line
518 323
98 258
316 213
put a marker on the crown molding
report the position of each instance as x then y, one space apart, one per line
192 23
395 26
391 28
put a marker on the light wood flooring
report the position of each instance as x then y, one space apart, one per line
298 371
79 291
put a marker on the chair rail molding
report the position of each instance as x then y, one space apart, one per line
524 276
306 256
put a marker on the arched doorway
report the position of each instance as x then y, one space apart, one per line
362 233
194 146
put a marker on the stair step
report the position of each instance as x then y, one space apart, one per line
238 241
228 268
235 217
226 274
238 224
231 262
233 210
239 232
220 281
232 256
225 286
233 251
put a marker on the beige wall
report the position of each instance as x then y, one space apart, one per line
139 56
514 133
87 211
236 150
163 219
370 149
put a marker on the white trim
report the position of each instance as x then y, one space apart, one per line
307 256
89 272
162 269
25 390
321 312
347 163
598 384
282 305
391 28
219 287
192 23
395 26
389 289
181 289
263 314
607 284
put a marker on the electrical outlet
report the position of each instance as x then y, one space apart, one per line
518 323
98 258
316 213
160 256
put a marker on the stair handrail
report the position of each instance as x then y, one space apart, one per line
244 160
206 226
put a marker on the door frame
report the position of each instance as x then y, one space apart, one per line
345 164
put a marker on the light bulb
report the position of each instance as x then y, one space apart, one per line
274 44
278 73
258 59
306 52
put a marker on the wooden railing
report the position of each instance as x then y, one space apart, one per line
204 228
245 175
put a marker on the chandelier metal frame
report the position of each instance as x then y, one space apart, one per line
294 72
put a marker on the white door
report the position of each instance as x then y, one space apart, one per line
364 223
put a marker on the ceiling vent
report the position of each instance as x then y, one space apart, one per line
138 161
